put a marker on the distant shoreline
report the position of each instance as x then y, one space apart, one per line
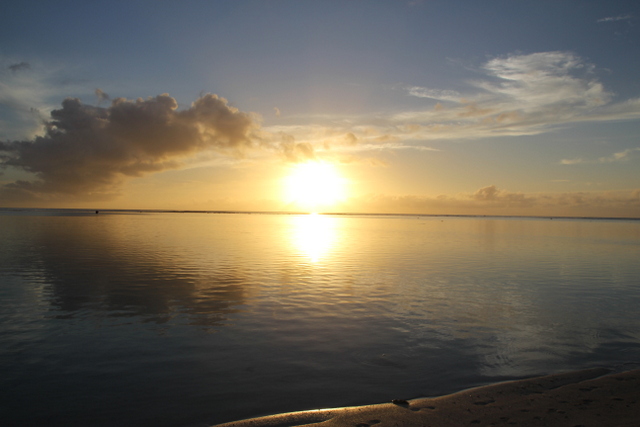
86 211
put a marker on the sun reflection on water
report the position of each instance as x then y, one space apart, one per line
314 235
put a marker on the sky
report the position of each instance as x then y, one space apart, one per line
427 107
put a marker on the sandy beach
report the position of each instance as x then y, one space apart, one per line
593 397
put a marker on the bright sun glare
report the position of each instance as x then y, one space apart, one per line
314 235
314 185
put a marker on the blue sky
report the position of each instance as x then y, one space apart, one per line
500 107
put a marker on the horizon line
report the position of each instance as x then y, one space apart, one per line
249 212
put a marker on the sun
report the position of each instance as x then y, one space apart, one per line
314 186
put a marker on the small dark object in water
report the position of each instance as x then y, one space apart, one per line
97 212
399 402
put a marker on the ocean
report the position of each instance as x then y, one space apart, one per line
188 319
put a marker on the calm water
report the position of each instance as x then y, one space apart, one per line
172 319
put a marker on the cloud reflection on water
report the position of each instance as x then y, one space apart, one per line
89 266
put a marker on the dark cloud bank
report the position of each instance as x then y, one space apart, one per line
19 67
87 151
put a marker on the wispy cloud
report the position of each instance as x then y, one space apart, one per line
491 200
523 95
620 156
516 95
101 95
29 91
444 95
339 143
615 18
576 161
19 66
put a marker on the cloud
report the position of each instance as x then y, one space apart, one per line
387 146
296 152
444 95
486 193
19 67
572 161
27 98
519 95
615 18
494 195
492 200
540 80
620 156
87 151
346 137
101 95
351 139
515 95
20 100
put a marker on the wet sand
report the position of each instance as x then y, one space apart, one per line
586 398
